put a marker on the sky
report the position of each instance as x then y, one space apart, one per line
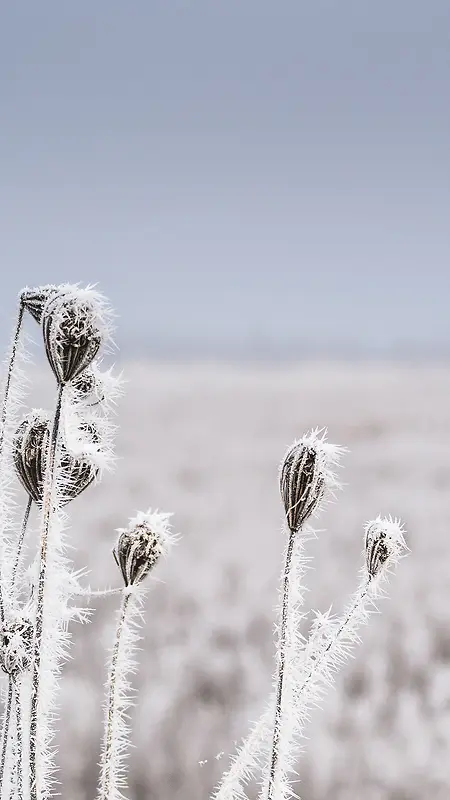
240 177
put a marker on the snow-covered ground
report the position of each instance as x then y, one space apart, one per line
205 441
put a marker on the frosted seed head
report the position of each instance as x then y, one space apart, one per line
95 388
84 384
306 476
76 473
30 445
384 542
35 299
75 324
141 545
16 640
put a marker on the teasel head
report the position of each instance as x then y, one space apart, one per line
16 639
384 543
34 299
75 324
30 447
307 477
141 544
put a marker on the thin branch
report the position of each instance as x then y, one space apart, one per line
21 541
6 722
281 666
48 507
19 738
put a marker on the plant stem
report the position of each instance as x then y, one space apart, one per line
364 591
19 738
21 541
48 508
108 755
9 373
6 721
281 666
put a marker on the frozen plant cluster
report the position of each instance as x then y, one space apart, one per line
58 455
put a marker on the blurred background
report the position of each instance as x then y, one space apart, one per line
262 190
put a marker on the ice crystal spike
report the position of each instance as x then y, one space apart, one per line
15 645
140 546
30 448
72 334
384 540
35 299
29 451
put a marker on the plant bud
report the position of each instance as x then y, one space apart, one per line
30 451
35 299
141 545
16 640
71 328
384 540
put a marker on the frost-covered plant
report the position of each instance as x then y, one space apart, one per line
305 666
55 457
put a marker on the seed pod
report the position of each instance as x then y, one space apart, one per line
30 450
377 550
72 335
88 389
35 299
302 483
16 640
30 445
384 539
141 544
136 553
78 472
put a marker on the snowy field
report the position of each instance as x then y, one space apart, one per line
205 442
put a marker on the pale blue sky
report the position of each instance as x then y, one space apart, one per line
238 175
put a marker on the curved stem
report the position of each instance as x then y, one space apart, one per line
5 733
48 507
21 541
281 666
108 755
333 639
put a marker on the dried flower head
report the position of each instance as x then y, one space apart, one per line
15 645
94 388
141 544
35 299
384 542
75 324
30 446
306 475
